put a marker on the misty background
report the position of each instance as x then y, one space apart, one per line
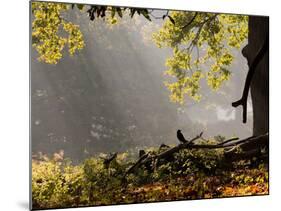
110 97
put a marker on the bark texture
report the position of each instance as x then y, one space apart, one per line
258 33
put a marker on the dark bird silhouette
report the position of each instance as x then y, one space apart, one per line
181 137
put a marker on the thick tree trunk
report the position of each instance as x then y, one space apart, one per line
258 32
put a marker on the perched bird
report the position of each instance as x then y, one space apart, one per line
181 137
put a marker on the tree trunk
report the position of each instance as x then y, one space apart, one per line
258 31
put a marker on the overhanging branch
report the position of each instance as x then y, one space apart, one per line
191 20
251 72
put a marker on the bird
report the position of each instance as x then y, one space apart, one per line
181 137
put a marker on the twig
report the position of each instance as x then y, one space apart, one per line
196 38
107 161
136 164
188 145
179 147
229 140
192 19
217 146
158 17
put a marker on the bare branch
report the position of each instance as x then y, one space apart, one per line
243 101
145 159
107 161
158 17
229 140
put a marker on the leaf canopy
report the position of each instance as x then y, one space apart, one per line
47 29
202 44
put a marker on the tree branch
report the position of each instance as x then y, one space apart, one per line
237 143
256 140
196 38
179 147
143 157
107 161
227 141
192 19
158 17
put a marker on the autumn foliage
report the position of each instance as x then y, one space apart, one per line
194 174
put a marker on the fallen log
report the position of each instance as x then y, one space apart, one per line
137 163
227 141
179 147
250 147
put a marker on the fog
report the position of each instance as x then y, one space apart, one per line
110 97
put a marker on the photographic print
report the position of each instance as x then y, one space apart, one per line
135 105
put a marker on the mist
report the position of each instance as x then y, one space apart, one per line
111 97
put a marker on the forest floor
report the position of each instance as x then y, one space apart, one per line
199 186
58 183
